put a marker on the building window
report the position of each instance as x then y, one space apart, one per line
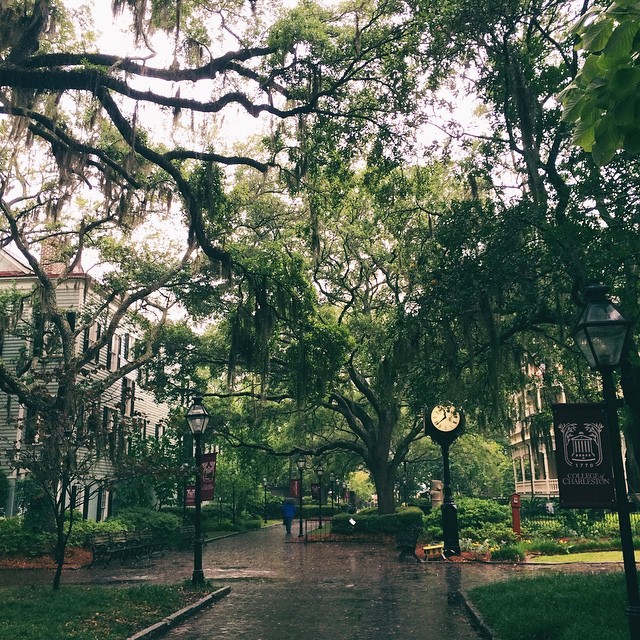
113 353
91 335
71 319
128 397
127 346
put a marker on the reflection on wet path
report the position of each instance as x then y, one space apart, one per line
283 590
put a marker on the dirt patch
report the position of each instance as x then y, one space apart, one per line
75 558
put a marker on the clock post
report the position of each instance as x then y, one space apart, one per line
444 423
450 536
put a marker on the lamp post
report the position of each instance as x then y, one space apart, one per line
601 334
265 484
332 480
450 534
444 423
198 419
233 497
301 463
320 471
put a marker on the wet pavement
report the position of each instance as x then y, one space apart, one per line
284 589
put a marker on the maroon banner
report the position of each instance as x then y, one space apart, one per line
208 471
190 495
294 487
583 457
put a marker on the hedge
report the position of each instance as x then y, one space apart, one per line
368 521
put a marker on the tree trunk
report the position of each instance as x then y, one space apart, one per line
384 481
62 536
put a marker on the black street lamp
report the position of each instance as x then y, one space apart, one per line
320 471
332 480
265 484
601 334
301 462
198 419
233 497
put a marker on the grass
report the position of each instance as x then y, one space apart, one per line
586 556
555 607
87 613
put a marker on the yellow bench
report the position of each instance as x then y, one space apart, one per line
433 551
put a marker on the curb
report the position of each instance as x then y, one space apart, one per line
485 629
175 618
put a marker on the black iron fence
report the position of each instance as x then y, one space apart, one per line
588 523
313 532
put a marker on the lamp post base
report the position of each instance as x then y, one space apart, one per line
197 579
633 616
450 529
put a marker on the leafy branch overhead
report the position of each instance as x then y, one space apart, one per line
602 101
127 117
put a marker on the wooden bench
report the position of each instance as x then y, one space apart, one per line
406 541
123 545
433 551
101 548
186 535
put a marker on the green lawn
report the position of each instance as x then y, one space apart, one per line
555 607
87 613
589 556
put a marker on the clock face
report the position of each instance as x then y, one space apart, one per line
445 417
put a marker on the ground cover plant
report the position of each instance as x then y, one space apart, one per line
87 613
485 529
555 607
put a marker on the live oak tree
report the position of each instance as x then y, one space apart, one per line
98 139
111 114
544 219
335 375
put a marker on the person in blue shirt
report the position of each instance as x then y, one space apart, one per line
288 511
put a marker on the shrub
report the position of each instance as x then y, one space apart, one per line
478 520
498 532
161 523
15 538
38 516
548 547
509 553
368 521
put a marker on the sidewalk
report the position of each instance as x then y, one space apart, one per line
283 589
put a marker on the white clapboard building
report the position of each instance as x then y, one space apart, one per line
124 402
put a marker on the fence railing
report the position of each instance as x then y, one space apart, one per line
583 522
314 533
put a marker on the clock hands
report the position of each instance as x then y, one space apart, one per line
448 415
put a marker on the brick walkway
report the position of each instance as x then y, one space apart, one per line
283 589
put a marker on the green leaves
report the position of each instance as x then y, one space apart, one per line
620 43
602 100
597 35
305 23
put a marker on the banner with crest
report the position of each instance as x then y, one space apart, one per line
583 458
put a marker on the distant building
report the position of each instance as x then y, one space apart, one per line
123 403
531 438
